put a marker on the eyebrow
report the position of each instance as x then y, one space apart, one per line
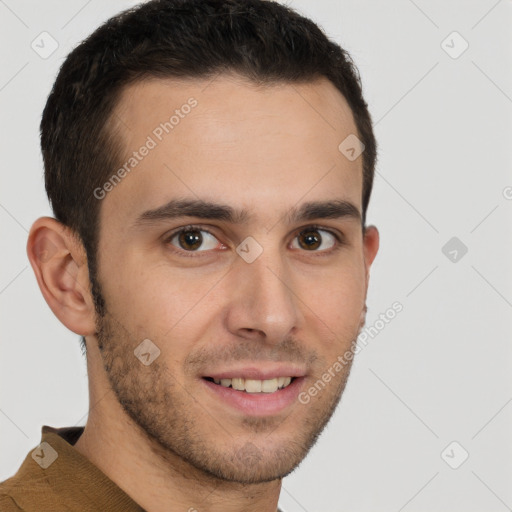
192 208
336 209
176 208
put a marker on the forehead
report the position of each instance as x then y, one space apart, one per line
260 148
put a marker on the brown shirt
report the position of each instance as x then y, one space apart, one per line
55 477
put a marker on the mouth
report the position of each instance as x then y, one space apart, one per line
253 392
253 386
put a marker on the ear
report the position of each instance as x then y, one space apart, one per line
59 262
370 246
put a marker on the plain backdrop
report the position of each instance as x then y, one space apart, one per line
425 421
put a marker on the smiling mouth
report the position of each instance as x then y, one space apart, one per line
252 385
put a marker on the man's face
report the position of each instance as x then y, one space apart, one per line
224 310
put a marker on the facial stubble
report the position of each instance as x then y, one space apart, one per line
181 431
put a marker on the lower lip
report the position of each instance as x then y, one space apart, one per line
258 404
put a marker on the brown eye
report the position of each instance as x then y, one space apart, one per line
194 239
190 240
312 239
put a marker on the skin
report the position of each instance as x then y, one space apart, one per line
157 430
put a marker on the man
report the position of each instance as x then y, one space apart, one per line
209 165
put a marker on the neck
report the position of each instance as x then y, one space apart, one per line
157 479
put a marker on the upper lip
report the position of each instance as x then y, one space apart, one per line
255 373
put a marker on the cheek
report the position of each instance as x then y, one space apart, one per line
161 304
336 299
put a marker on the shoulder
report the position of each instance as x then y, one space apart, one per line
26 491
7 504
7 499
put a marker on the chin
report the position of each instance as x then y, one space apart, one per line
251 471
260 460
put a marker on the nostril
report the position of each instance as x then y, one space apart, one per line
250 330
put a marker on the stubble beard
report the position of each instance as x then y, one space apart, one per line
180 431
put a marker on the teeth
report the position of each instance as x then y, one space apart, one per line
238 384
255 386
269 386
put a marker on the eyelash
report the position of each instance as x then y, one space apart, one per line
197 227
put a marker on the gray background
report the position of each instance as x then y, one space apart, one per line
439 371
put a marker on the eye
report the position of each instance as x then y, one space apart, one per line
194 239
314 239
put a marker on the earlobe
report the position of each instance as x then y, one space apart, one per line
371 240
60 267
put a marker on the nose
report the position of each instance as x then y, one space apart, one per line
264 304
